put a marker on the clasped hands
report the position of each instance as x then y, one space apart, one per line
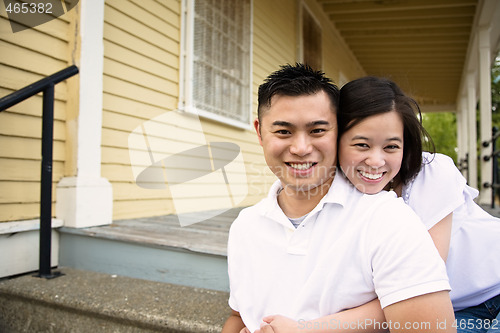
276 324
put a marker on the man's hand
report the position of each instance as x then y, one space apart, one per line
278 324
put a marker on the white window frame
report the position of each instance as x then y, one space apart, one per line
186 98
302 6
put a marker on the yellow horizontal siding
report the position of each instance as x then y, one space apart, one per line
26 148
26 57
19 125
128 209
33 105
30 171
127 40
20 192
18 57
136 109
130 90
130 18
142 62
20 211
14 78
47 45
140 78
141 82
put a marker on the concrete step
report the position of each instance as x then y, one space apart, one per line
86 301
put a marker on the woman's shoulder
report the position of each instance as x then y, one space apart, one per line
437 159
439 168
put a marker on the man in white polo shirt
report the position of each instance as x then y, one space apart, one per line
316 246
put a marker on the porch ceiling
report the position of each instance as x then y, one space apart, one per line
420 44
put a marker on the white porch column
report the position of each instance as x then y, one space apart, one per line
471 128
462 138
485 111
85 198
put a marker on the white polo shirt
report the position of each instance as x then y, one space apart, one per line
350 249
473 262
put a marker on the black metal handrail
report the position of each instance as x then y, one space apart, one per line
45 85
495 172
463 166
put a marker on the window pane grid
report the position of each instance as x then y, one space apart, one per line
221 58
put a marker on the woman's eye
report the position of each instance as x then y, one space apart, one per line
361 145
392 147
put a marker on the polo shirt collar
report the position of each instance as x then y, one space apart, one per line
337 194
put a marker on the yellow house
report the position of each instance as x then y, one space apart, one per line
158 120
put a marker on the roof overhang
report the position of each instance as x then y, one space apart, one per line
426 46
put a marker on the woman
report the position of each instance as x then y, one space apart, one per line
380 148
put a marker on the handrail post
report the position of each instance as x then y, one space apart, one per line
46 183
45 85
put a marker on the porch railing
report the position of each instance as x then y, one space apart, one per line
495 172
45 85
463 166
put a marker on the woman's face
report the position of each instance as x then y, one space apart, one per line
371 152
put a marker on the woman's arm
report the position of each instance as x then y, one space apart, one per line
234 324
432 313
441 234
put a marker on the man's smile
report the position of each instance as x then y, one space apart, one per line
301 165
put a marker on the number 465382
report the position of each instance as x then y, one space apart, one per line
32 8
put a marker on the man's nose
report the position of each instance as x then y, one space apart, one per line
301 145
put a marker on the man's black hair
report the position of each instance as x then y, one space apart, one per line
295 80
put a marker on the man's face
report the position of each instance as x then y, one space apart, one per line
299 138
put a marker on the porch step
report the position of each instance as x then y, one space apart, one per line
85 301
155 248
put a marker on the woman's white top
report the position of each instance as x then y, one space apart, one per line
473 262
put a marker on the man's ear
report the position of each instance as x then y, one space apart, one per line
256 125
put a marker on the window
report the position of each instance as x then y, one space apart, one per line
216 62
311 40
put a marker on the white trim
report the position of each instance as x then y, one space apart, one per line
471 123
25 225
300 39
91 89
87 199
485 111
304 5
186 67
212 116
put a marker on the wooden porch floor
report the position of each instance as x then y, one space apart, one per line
209 236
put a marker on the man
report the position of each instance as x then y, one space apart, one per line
316 246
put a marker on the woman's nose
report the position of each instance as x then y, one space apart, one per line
375 159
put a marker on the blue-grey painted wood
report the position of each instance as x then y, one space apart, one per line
141 261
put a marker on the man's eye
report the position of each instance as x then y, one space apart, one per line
317 131
282 132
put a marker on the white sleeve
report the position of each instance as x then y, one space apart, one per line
437 190
405 262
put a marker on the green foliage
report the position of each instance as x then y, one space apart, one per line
442 127
495 93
